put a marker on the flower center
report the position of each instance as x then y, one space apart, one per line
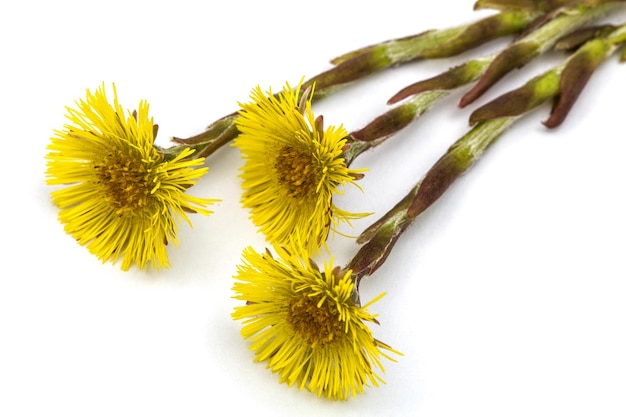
296 172
317 325
125 181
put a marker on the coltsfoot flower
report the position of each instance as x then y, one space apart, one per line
292 168
307 324
122 197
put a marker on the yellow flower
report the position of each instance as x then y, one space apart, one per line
292 168
122 197
307 324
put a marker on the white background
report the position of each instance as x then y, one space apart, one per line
507 297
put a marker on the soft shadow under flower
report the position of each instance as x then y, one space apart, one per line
122 197
308 324
293 167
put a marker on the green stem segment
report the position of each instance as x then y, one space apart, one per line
389 123
430 44
534 5
422 96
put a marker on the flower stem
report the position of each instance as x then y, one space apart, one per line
360 63
430 44
380 237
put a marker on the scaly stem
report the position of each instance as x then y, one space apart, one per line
369 60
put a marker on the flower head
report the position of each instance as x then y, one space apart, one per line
122 198
292 169
307 324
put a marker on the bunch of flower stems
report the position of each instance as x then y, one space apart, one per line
538 26
315 335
